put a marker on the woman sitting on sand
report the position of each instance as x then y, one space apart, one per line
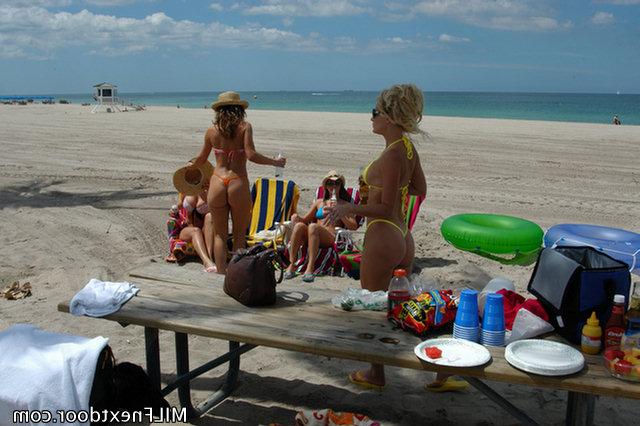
314 230
390 178
193 226
231 139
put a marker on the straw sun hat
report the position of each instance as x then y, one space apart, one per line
191 180
229 98
332 175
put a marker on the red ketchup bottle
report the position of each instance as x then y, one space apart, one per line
399 290
614 329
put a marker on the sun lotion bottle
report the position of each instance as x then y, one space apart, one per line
591 336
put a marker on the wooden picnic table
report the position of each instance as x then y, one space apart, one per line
304 320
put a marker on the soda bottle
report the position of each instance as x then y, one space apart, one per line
399 290
279 170
614 329
333 201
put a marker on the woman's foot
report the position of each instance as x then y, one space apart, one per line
447 385
308 278
289 274
211 269
364 379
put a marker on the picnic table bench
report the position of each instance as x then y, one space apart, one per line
303 320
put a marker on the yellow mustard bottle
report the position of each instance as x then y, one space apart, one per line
591 336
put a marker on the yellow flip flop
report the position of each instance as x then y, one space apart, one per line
357 378
449 385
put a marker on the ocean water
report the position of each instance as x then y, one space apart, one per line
586 108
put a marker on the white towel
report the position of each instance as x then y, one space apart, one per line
100 298
45 371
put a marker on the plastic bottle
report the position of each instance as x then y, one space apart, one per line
591 336
614 329
399 290
174 212
333 201
279 170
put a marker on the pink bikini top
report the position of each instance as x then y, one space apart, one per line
230 153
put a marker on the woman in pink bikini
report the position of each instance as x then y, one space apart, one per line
231 139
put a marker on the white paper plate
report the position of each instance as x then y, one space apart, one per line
455 352
544 357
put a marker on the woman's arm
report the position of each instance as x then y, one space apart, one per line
206 148
311 214
418 184
253 155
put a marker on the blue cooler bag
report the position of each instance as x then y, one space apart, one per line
572 282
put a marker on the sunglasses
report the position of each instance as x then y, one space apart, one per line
375 113
332 183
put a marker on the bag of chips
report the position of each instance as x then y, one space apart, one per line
425 312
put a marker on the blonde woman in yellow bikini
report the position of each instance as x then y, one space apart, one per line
394 175
231 139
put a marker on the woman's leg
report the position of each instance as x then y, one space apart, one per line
384 250
207 231
319 236
298 239
194 235
217 200
240 203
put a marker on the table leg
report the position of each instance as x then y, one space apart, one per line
499 399
182 367
152 349
580 409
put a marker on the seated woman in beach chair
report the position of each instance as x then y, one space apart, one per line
314 231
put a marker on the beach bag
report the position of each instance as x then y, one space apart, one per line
251 276
572 282
120 387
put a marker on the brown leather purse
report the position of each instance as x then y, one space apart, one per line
251 276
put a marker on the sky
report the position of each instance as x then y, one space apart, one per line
67 46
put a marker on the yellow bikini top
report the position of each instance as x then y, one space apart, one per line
404 190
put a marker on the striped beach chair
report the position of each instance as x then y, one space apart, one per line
274 201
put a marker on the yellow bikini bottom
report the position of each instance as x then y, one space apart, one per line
402 231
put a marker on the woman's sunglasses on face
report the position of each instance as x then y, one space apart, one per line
333 183
375 113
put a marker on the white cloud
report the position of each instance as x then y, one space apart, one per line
318 8
602 18
216 7
446 38
35 32
516 15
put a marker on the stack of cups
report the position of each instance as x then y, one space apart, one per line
466 325
493 321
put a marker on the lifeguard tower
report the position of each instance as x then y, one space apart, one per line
106 94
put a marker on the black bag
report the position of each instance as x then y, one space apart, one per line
572 282
123 387
250 277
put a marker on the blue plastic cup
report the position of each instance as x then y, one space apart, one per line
467 314
493 319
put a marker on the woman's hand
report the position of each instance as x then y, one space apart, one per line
335 213
279 161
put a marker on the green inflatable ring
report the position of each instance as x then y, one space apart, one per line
492 234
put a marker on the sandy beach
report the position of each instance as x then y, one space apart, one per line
86 196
